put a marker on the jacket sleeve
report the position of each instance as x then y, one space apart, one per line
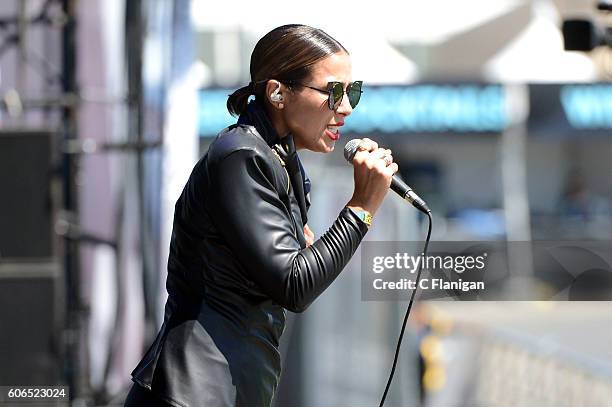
257 226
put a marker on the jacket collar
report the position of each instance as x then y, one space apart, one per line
257 116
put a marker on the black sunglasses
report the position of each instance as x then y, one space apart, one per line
335 93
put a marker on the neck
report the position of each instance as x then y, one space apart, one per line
278 121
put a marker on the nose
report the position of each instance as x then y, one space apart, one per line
345 108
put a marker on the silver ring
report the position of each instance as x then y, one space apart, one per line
388 160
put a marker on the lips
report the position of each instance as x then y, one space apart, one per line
333 131
332 135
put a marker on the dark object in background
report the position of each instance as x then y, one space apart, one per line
25 200
31 312
580 35
604 5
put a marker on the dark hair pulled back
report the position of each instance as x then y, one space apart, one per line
286 54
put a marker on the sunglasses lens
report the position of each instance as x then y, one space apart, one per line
336 93
354 93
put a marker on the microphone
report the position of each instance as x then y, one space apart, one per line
397 184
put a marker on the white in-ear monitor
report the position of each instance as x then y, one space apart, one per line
275 96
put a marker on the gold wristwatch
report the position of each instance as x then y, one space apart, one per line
365 216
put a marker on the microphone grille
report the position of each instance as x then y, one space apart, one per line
351 148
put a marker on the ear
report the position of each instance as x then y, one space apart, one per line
275 93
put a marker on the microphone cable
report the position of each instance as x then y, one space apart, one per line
401 335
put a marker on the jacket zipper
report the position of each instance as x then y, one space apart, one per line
295 228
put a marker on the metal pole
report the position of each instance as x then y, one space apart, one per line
21 49
76 368
135 32
513 151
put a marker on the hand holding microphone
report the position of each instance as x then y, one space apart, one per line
374 173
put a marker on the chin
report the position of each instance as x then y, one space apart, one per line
328 148
321 147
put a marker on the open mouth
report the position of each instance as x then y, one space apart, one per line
333 132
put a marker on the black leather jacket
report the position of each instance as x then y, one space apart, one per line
238 259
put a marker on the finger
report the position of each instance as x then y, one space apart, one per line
377 157
310 234
360 156
380 165
392 169
379 153
367 145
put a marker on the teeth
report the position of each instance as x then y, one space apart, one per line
333 129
